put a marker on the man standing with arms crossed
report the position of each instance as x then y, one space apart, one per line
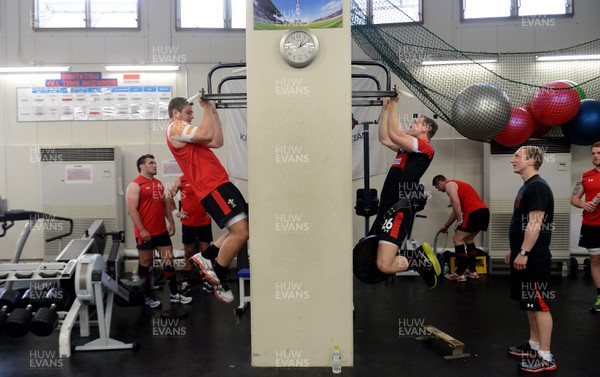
191 147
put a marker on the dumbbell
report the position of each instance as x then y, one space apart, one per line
44 321
9 298
17 324
34 297
59 297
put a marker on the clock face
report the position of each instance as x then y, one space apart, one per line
299 47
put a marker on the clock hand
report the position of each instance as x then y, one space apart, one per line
302 43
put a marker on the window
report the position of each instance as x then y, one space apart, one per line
391 11
86 14
544 7
479 9
211 14
486 8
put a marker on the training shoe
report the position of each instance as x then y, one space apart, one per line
205 268
223 293
426 264
151 302
180 298
524 350
207 287
472 275
456 277
537 365
186 287
596 305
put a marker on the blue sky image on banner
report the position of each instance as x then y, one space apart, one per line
288 14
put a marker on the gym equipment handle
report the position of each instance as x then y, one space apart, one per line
70 221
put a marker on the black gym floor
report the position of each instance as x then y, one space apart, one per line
210 343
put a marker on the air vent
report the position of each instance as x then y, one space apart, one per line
547 145
76 154
99 196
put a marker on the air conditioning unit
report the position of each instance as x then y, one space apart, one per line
501 185
84 184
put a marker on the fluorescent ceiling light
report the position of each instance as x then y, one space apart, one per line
566 57
142 68
34 69
448 62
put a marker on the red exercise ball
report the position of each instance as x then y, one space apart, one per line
539 129
518 130
555 103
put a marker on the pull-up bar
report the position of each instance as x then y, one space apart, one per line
360 98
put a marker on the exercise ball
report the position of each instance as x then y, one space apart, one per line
518 130
539 128
481 111
584 128
555 103
577 87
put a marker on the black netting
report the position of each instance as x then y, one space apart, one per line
510 100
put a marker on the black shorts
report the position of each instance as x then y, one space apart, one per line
224 203
160 240
589 237
531 286
190 233
396 228
475 221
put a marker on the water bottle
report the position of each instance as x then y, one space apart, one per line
336 360
134 274
565 269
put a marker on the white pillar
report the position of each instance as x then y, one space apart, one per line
300 197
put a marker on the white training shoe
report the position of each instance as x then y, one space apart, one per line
205 268
180 298
223 293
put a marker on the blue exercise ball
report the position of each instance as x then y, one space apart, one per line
481 112
584 129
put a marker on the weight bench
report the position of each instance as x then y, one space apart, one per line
243 276
456 345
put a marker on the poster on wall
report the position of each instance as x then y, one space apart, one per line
291 14
93 103
75 174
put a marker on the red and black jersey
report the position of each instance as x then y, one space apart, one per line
151 206
590 181
405 173
196 213
468 197
413 164
197 162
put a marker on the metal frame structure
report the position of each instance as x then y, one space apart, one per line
226 100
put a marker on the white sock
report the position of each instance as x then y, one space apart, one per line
534 345
546 355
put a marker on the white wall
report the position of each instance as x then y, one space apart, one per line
90 51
